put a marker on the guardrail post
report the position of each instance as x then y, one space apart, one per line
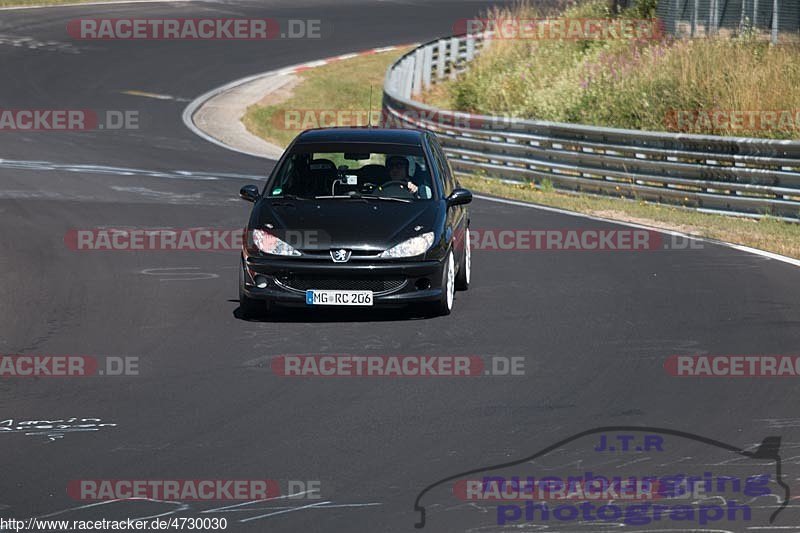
742 16
442 59
755 13
453 57
471 46
416 86
392 79
408 78
427 66
712 18
775 15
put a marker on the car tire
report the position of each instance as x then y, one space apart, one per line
444 305
465 266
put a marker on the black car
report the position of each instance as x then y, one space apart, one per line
357 217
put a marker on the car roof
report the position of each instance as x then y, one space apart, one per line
361 135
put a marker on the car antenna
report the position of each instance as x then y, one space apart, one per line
369 116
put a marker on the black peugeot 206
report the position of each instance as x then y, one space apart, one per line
357 217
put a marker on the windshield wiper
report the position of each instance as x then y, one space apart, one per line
359 196
389 198
290 197
353 196
284 200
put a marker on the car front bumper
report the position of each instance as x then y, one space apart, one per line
397 283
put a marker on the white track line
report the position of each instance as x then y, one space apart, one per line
197 103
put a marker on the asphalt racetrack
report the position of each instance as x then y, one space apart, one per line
594 328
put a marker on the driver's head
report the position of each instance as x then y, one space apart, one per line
398 167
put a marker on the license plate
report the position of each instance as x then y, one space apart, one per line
315 297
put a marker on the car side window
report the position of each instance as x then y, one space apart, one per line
441 162
283 179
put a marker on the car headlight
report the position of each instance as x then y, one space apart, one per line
270 244
414 246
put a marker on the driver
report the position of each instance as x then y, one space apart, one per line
398 171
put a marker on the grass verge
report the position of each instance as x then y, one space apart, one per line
337 94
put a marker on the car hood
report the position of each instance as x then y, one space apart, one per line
346 223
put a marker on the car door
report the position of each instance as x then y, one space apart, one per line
457 219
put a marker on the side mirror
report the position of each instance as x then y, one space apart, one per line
249 193
459 197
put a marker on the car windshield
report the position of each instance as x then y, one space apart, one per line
373 171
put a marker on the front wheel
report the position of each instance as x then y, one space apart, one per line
444 305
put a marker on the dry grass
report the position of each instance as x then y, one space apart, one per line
337 94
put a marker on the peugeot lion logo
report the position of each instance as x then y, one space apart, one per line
340 256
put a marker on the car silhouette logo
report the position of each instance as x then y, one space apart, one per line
340 256
768 450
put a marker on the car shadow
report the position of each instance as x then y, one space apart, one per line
287 314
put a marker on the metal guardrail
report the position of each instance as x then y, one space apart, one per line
735 175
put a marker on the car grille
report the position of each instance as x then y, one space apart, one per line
304 283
